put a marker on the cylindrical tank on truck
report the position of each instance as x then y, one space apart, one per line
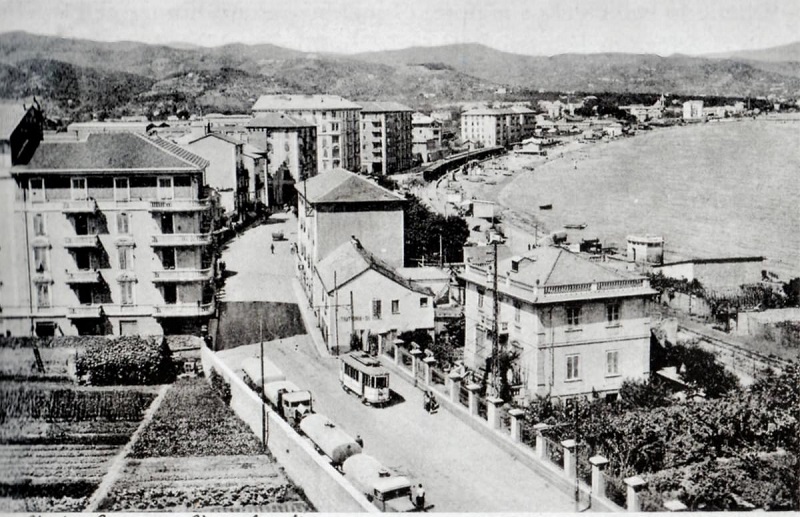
328 438
252 367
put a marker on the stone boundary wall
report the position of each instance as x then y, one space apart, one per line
324 486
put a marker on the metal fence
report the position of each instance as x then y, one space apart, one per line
616 490
463 396
505 419
553 452
438 378
406 359
389 350
483 408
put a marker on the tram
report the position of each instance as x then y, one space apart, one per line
363 375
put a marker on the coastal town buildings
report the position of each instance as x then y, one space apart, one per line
337 205
693 110
226 172
645 249
576 326
81 130
426 138
291 145
715 274
362 297
255 162
643 112
386 139
108 234
496 127
337 121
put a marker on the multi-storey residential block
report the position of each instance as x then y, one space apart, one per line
693 110
337 205
492 127
576 326
291 145
385 137
426 137
109 234
360 295
337 122
226 172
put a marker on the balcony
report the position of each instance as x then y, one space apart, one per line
90 276
183 310
81 206
182 275
84 311
179 205
181 239
82 241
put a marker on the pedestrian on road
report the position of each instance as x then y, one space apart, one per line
420 497
360 441
272 248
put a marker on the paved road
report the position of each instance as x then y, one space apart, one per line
461 470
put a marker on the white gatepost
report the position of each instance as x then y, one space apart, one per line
541 448
598 481
633 502
415 362
454 379
428 367
493 412
516 423
570 449
473 398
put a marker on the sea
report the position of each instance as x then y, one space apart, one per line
721 189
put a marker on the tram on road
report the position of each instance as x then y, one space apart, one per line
363 375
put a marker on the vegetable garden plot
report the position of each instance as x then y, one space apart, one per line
54 463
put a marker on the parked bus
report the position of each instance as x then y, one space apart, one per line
363 375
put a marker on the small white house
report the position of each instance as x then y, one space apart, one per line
359 294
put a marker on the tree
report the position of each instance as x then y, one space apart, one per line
425 230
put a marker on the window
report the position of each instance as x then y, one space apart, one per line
165 190
395 306
36 187
612 363
40 258
123 226
38 225
78 190
125 258
423 302
573 316
573 367
126 291
43 295
480 298
334 126
612 310
517 311
122 191
376 309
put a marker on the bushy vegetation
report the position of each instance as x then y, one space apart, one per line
194 421
126 360
423 230
710 454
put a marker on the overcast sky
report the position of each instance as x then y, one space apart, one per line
540 27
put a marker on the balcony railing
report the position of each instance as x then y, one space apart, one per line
183 310
179 205
81 241
83 311
182 275
80 206
181 239
91 276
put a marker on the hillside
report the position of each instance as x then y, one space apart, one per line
84 77
790 52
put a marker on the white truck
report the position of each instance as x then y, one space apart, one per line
252 367
289 401
389 493
328 438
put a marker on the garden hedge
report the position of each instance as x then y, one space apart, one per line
126 360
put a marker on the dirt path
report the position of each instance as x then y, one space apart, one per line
118 463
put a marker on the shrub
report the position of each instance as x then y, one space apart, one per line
222 388
126 360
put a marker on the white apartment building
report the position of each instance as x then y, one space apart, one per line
497 127
577 326
337 121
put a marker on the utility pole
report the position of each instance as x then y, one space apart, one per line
352 317
336 314
261 395
441 257
495 323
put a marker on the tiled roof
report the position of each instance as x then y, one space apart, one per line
342 186
302 102
557 266
10 117
276 120
382 107
220 136
112 151
350 260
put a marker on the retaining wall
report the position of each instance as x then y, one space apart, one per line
324 486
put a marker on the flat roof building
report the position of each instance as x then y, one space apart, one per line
386 139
